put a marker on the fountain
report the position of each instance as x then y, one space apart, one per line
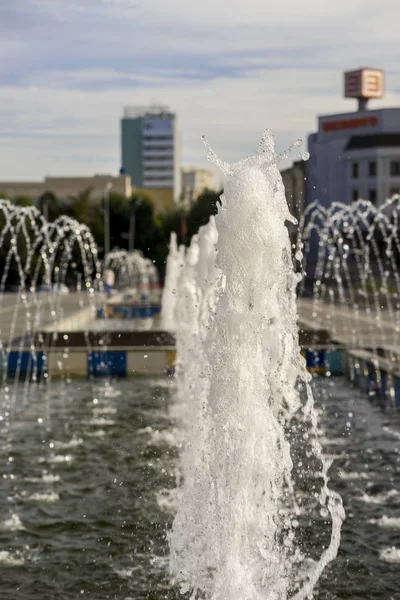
239 529
175 262
351 257
38 259
137 293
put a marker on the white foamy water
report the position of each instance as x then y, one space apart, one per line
104 410
238 364
99 422
386 522
72 443
379 498
56 459
391 555
390 431
354 475
13 523
98 433
158 437
11 559
45 478
47 497
167 500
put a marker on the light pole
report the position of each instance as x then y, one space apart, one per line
135 201
106 197
44 205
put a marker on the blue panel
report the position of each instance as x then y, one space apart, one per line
371 383
100 313
135 312
315 358
107 364
145 312
25 364
356 372
334 362
396 382
383 384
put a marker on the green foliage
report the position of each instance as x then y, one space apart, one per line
200 212
23 201
152 232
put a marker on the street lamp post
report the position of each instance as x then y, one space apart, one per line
132 221
44 201
106 196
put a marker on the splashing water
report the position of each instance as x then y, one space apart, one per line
175 263
132 270
236 534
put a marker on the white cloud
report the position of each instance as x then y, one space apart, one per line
70 131
227 69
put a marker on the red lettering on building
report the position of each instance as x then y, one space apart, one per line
356 123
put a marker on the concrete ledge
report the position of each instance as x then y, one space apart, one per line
104 339
78 362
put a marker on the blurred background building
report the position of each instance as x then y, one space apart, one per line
356 155
352 155
66 187
294 180
150 151
195 182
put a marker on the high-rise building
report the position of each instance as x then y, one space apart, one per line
150 148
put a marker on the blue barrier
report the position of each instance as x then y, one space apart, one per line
25 364
106 363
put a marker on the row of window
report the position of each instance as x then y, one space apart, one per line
159 147
158 157
372 195
157 138
372 169
159 178
158 168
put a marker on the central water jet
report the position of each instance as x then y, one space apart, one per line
237 531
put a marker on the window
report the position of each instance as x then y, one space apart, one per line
372 196
158 138
372 168
356 195
354 170
158 168
395 168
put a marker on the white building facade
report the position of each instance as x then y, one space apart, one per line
195 182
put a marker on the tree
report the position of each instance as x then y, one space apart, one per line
23 201
52 203
79 207
200 212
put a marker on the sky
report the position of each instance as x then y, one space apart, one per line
229 69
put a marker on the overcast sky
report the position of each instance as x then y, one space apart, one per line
228 69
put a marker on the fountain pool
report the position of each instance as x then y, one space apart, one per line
86 518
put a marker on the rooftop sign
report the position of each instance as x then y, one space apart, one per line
364 83
354 123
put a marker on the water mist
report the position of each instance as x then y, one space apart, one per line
237 531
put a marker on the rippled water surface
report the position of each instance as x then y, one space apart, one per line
89 472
